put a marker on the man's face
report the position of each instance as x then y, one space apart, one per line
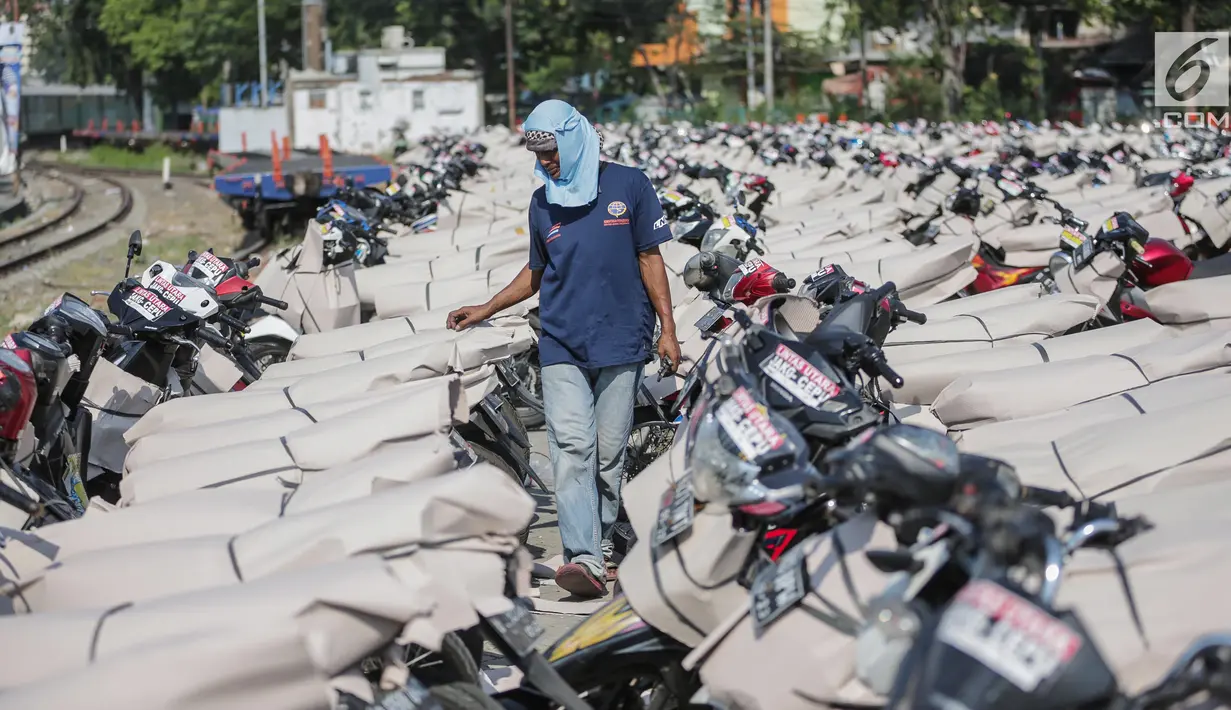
550 160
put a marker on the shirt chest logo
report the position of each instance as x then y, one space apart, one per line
617 209
553 233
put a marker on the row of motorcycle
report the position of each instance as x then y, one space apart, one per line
778 455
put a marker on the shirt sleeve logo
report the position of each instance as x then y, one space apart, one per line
617 209
662 222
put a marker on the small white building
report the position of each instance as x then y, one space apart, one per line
363 98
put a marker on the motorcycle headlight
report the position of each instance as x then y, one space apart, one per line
732 441
712 238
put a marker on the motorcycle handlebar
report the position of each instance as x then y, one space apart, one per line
117 329
280 305
874 361
783 283
213 338
233 323
900 310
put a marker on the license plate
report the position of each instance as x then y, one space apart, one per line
676 512
777 588
412 696
1007 634
518 627
708 320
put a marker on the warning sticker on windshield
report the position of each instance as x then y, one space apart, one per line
799 377
1072 238
149 305
1009 187
164 288
1007 634
748 425
210 265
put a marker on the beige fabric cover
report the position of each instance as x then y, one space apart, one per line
215 372
413 298
993 328
230 510
116 401
213 409
1175 570
273 461
395 520
798 651
694 574
923 277
271 665
1099 278
1019 293
1100 460
318 298
925 378
348 607
1112 408
1200 303
972 400
442 399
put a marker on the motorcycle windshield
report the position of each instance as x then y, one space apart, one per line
141 309
994 648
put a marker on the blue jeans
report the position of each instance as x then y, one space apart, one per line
589 415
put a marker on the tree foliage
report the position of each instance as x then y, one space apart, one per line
180 46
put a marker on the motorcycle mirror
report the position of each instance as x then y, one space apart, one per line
134 249
740 199
402 180
254 261
241 269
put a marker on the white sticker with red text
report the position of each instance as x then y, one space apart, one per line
1007 634
799 377
211 266
146 303
164 288
748 425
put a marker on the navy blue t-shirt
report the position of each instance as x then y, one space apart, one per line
593 306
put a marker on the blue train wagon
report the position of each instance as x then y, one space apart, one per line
279 197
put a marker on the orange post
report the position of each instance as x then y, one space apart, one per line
90 126
136 126
104 125
243 141
822 117
326 157
799 118
286 147
273 136
841 117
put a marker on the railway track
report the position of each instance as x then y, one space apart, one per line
97 203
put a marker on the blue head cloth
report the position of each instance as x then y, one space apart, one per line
577 142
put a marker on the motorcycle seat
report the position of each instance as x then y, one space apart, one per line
1208 268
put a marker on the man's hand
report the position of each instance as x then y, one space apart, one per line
669 350
467 316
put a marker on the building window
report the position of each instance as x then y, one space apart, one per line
417 102
316 99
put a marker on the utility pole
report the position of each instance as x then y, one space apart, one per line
508 61
263 57
752 64
768 39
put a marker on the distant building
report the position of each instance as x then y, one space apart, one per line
362 100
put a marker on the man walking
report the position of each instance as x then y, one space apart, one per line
595 228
